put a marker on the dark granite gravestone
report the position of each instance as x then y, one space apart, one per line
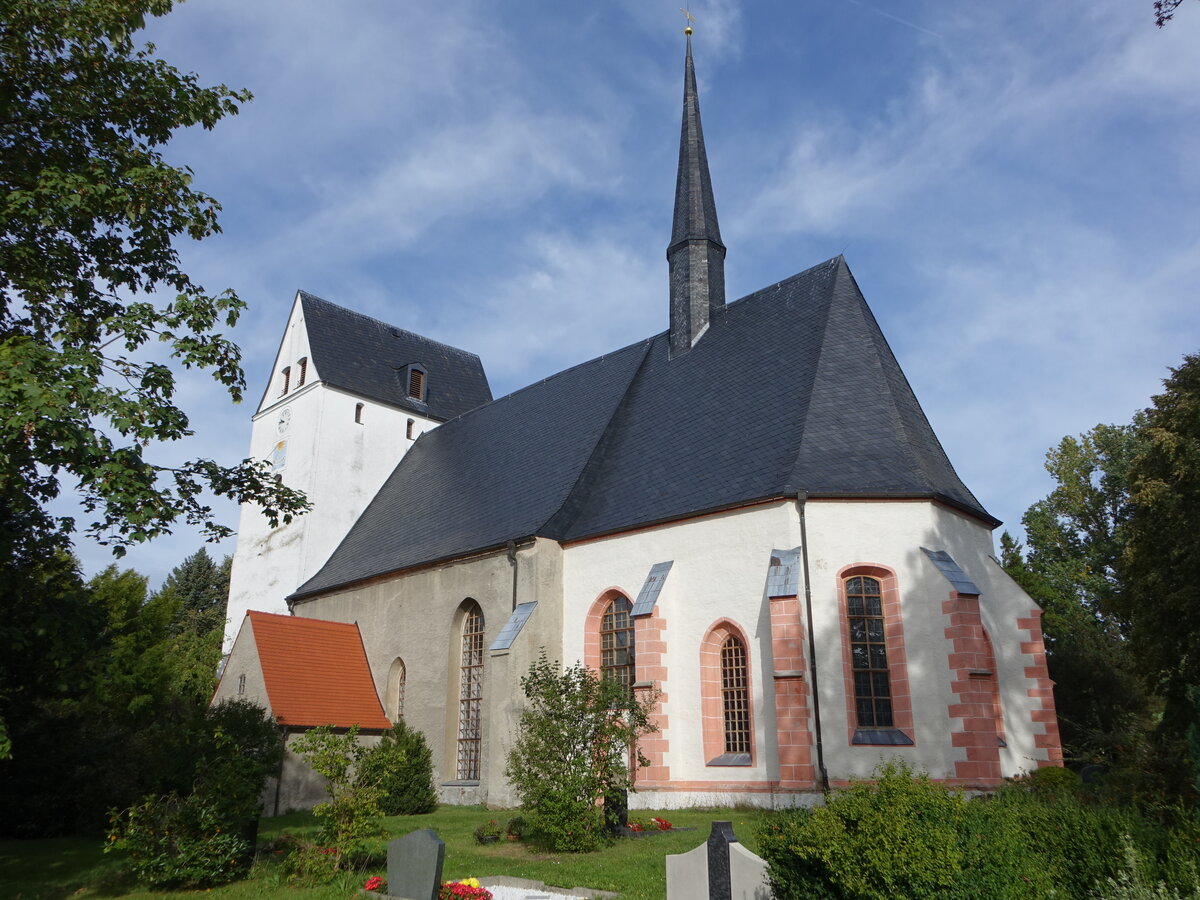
414 865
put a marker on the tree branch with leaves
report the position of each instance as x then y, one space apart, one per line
91 279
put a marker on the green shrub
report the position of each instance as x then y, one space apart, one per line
349 819
401 767
205 837
177 841
1036 838
895 837
573 751
1050 781
515 827
1000 859
1133 883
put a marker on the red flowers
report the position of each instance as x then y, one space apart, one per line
374 883
467 889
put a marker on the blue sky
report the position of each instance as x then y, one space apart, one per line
1014 186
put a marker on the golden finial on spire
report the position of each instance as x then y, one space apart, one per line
690 19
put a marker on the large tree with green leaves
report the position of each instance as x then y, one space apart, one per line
1072 569
91 279
196 591
1161 560
103 687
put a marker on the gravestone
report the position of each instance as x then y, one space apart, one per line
719 869
414 865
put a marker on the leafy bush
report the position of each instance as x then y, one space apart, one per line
350 817
206 837
401 767
896 837
1132 882
1039 837
515 828
177 841
573 751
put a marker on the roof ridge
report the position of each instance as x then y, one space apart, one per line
569 497
790 482
388 325
916 457
569 369
890 394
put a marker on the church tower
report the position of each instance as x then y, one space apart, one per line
347 398
696 256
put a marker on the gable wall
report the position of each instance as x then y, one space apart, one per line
243 660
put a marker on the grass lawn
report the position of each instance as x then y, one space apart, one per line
76 868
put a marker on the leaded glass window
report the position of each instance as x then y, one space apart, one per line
868 653
616 642
735 695
470 696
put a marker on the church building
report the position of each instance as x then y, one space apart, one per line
748 514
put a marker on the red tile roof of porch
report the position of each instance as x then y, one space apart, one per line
316 672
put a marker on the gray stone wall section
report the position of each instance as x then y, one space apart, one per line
415 617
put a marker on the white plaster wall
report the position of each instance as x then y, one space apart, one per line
720 570
892 534
337 462
415 617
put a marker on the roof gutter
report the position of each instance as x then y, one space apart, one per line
516 543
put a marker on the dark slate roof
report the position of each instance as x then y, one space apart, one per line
792 389
369 358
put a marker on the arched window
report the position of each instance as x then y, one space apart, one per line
470 694
395 696
868 653
878 700
287 379
725 696
300 376
409 431
241 685
616 642
735 695
358 408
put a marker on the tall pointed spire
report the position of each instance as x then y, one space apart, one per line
696 256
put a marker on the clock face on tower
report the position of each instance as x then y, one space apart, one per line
285 419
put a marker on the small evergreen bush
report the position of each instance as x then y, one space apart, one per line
895 837
401 767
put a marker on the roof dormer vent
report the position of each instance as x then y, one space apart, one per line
415 382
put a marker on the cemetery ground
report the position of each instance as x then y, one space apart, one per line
634 868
